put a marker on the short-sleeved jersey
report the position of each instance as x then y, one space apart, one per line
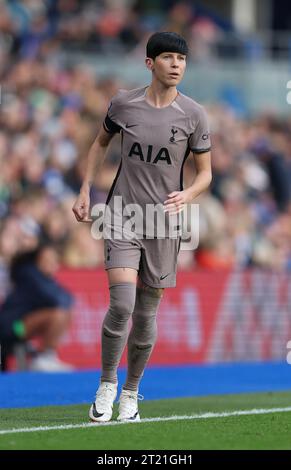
155 143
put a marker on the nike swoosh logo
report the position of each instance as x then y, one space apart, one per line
131 125
163 277
95 412
133 417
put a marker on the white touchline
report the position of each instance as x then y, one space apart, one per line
225 414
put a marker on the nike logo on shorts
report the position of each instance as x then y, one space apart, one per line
130 125
163 277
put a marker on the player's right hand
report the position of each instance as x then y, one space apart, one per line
81 208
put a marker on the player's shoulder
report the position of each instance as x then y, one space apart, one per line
190 106
125 96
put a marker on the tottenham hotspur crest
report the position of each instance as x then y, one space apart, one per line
174 132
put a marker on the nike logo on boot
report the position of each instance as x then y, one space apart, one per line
95 412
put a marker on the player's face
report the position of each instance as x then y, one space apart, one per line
169 68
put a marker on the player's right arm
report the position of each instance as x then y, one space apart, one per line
96 157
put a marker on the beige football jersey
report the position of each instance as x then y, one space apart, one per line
155 143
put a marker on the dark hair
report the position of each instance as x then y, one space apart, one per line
165 42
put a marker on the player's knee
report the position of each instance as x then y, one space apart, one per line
143 343
115 324
124 308
122 299
116 321
119 314
121 307
144 332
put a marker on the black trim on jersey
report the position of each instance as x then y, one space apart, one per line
113 184
182 167
105 128
110 125
199 151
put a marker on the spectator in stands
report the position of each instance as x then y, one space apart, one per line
36 307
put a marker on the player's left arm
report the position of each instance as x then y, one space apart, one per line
178 199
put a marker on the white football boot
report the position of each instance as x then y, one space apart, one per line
101 409
128 407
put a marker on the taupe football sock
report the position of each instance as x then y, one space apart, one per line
142 337
114 328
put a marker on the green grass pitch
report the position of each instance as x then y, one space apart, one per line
249 431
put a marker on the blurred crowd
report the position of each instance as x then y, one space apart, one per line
33 28
50 115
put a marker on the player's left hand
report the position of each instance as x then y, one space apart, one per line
176 202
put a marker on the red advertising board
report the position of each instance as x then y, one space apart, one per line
209 317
